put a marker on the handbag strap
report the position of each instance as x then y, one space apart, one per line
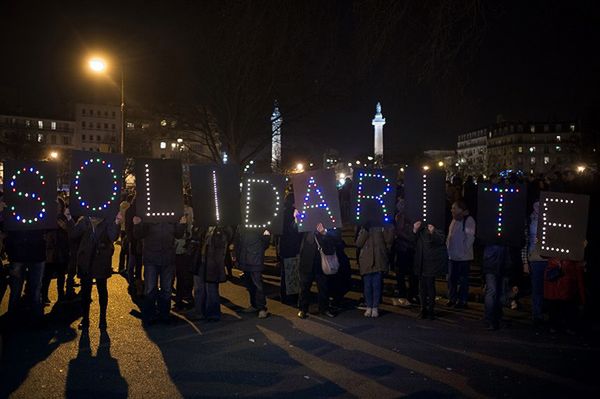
318 245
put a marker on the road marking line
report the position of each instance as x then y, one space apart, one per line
349 380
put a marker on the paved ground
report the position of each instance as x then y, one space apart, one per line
283 356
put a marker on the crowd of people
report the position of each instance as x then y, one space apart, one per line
159 258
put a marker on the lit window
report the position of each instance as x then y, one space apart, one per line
558 139
546 160
520 150
163 122
41 124
532 161
163 145
40 137
558 149
532 149
173 146
53 125
27 123
130 125
572 127
532 129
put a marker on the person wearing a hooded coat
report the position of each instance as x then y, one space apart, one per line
431 261
375 244
94 261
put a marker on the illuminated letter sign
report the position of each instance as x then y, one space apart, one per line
95 183
425 196
501 214
159 190
215 195
317 200
30 195
263 202
374 197
562 225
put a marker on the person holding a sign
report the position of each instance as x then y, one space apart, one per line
250 247
461 236
375 244
94 260
315 245
26 251
537 266
57 254
159 265
208 252
431 260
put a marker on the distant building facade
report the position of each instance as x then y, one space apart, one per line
530 147
97 127
51 133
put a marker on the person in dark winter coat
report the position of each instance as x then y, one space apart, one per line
27 254
496 268
57 254
404 259
431 260
311 269
288 248
250 247
94 261
159 263
209 250
135 256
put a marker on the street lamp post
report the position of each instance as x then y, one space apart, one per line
99 65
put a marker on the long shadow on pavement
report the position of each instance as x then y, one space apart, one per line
25 346
95 377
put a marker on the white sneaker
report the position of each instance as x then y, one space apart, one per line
263 314
368 312
375 312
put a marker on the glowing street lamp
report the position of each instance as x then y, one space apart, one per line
580 169
441 164
300 167
54 155
97 64
426 167
100 66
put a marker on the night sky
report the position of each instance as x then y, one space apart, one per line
529 60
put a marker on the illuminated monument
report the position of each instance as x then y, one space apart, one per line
378 123
276 121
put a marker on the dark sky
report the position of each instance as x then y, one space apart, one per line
536 60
